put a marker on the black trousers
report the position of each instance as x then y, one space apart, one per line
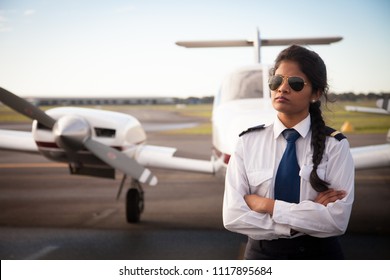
303 247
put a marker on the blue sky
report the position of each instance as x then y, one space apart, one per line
126 48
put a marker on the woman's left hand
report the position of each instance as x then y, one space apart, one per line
260 204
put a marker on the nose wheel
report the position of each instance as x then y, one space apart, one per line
134 202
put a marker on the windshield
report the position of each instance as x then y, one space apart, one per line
242 85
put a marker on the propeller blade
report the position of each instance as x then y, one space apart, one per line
121 162
25 108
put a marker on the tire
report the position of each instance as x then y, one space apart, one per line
134 206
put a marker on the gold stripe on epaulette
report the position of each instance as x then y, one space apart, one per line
334 133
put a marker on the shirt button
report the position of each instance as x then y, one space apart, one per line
302 249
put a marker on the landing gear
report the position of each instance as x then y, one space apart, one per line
134 202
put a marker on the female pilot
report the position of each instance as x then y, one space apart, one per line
290 185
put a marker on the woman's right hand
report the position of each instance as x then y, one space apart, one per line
331 195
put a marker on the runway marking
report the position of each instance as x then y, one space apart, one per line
33 165
41 253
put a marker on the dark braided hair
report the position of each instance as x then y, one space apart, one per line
314 68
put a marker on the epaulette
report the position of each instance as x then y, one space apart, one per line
334 133
258 127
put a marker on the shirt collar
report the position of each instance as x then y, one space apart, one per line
302 127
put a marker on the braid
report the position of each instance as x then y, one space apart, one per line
312 65
318 143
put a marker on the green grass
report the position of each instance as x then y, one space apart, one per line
361 122
203 112
201 129
7 115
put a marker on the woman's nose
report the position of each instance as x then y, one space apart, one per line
284 87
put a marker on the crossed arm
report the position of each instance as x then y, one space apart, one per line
266 205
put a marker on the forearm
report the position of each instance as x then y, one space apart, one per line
253 224
308 217
238 217
266 205
313 218
260 204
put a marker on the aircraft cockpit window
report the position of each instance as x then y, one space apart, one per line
243 85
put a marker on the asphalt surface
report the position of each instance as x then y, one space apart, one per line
45 213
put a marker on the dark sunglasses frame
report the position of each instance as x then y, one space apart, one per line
295 83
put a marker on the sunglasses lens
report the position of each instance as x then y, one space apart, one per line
275 82
296 83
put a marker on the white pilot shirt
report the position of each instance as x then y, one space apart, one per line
252 170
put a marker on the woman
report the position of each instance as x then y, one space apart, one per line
283 219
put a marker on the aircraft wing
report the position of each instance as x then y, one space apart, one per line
264 42
258 42
146 155
17 140
374 156
382 104
163 157
366 157
300 41
366 110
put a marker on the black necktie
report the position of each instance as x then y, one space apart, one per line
287 181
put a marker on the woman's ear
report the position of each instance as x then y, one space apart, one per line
316 96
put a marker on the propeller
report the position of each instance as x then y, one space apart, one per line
72 133
25 108
121 162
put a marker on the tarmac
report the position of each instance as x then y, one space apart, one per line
45 213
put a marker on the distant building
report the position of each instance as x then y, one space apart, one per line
75 101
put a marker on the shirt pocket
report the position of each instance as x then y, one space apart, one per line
260 182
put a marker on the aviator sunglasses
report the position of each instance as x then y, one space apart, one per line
296 83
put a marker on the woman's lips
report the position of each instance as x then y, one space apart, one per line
281 99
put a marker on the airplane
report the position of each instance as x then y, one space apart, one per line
96 143
244 101
374 155
383 107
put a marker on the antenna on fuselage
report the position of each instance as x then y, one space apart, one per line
257 43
